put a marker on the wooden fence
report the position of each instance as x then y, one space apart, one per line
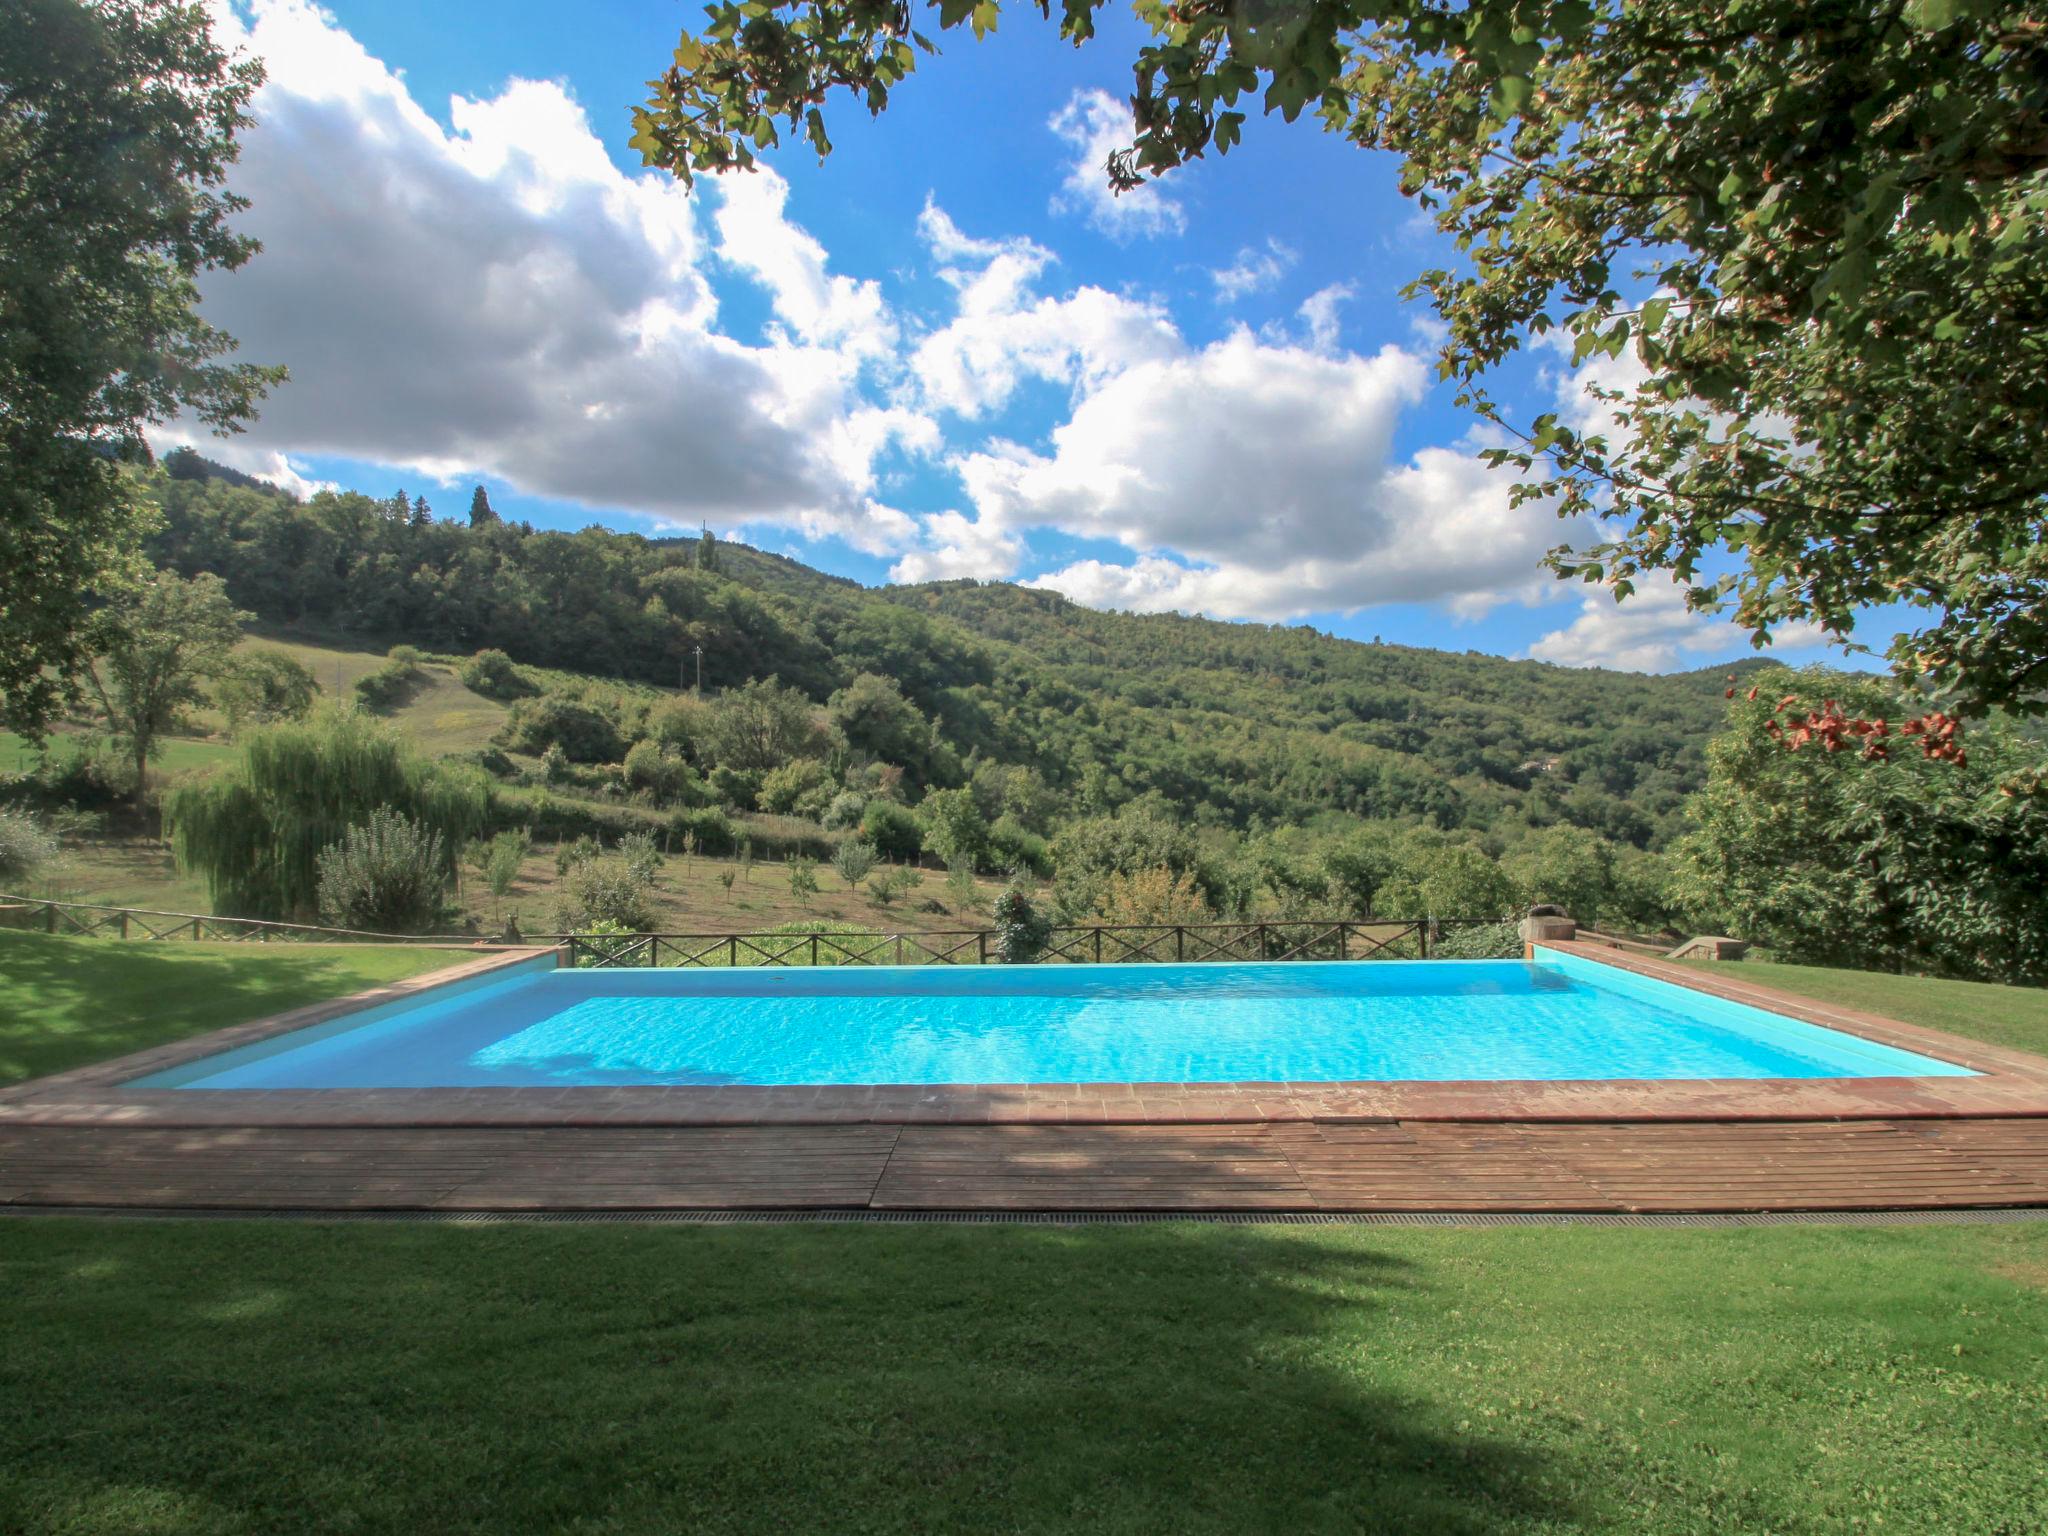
83 918
1067 944
1071 944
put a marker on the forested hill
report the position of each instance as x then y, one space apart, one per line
1232 724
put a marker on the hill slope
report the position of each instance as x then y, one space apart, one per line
1231 724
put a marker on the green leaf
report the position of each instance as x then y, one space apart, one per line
1510 94
1930 15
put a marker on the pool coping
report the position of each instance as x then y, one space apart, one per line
2012 1084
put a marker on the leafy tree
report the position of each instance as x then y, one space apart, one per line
1440 878
255 829
1153 896
386 876
117 127
584 734
1847 852
953 828
759 726
707 551
1569 868
876 720
1822 229
800 788
1137 839
150 652
1359 865
853 860
803 879
264 686
480 513
895 833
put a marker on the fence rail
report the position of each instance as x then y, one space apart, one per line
84 918
1066 944
1070 944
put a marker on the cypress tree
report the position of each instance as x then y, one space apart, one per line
707 551
480 513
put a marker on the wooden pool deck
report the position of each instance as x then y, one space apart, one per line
87 1139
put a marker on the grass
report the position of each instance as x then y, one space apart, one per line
244 1377
1998 1015
65 1002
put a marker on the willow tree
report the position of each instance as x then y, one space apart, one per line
256 830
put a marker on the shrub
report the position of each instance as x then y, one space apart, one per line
407 655
853 860
389 686
581 851
26 845
1154 896
844 810
893 830
491 674
604 890
709 825
1012 846
786 788
736 787
642 855
1022 931
1479 941
584 734
886 886
662 774
503 856
385 876
603 940
263 686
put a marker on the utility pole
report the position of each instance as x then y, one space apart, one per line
698 652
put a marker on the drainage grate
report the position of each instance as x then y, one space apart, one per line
831 1217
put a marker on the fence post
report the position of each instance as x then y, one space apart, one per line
1180 942
50 916
124 922
1422 937
1098 943
732 950
814 951
899 949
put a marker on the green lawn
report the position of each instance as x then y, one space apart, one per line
245 1377
68 1001
2011 1016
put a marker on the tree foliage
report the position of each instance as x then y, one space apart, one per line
1838 855
151 651
255 830
1819 234
117 127
263 686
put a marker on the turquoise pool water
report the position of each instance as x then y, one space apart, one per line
1561 1018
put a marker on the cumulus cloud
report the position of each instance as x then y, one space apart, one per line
1652 630
1319 314
1003 332
1253 271
1095 125
500 299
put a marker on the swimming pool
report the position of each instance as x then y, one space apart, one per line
1559 1018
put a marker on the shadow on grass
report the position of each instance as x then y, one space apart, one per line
65 1002
230 1377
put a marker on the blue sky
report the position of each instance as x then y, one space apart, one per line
944 352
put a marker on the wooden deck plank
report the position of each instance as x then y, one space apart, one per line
1293 1165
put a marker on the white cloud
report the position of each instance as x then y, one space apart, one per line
958 546
500 299
1652 630
1319 314
1095 124
1003 332
1253 271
